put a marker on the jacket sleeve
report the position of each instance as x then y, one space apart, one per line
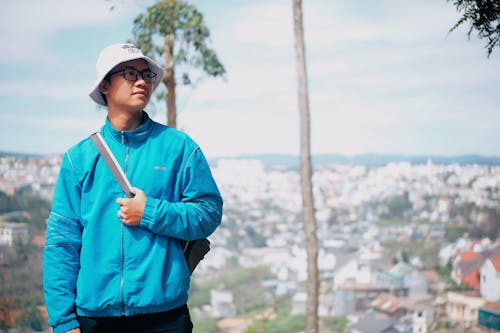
61 253
199 211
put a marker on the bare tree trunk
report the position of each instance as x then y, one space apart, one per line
308 210
169 81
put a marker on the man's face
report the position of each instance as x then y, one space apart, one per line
125 93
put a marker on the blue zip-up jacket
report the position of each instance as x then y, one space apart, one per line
93 264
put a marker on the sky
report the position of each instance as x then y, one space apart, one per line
384 76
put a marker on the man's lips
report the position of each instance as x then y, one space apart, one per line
142 92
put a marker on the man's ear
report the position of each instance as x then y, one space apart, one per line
104 87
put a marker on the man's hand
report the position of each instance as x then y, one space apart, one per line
75 330
131 209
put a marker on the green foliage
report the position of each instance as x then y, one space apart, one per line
445 270
404 251
452 232
257 239
456 287
443 327
398 206
32 319
244 283
180 25
404 257
21 285
482 16
283 323
335 324
204 325
37 208
390 222
199 296
249 295
20 276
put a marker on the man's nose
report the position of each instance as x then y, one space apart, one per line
141 82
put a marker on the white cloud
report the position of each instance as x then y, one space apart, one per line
230 132
28 25
268 25
387 78
42 88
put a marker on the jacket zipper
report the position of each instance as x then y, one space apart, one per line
122 280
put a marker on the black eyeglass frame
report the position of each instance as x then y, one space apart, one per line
151 79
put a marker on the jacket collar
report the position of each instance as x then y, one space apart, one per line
133 137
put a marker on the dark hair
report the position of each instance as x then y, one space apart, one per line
107 78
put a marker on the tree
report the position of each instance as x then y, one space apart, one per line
175 31
398 206
308 211
483 16
5 318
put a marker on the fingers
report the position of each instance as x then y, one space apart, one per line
129 216
121 215
122 212
124 218
131 209
138 194
121 201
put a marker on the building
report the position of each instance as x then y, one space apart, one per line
466 269
490 279
463 307
222 303
299 301
12 232
371 324
404 279
422 319
390 305
489 316
467 265
353 297
433 280
423 314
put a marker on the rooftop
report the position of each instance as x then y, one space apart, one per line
496 263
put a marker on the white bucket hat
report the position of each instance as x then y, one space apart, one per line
116 54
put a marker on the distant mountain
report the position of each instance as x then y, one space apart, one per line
291 162
15 154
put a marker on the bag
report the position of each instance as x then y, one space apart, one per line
194 251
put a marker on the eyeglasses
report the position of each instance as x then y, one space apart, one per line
132 74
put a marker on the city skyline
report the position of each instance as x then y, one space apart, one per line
384 77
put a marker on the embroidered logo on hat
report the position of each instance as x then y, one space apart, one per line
131 48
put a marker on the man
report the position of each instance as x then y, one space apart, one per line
112 263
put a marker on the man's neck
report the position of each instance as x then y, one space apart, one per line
125 121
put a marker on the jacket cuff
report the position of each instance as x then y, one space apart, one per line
67 326
148 218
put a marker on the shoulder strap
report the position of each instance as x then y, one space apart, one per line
112 163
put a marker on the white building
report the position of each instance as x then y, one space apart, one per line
422 319
222 304
490 279
463 307
352 271
11 232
